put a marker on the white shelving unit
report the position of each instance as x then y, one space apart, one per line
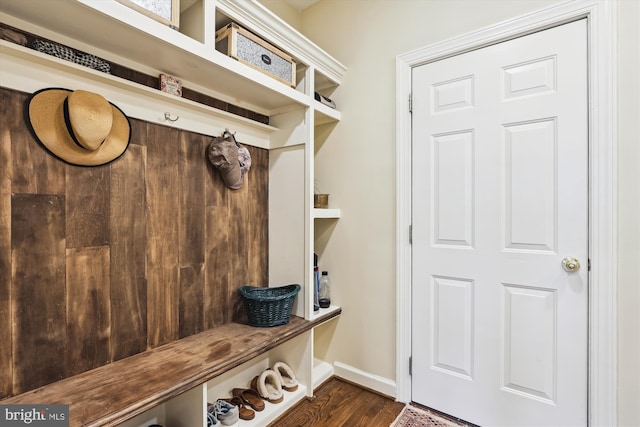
326 213
117 33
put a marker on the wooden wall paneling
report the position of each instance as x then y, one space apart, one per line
36 170
258 218
87 206
38 289
192 167
191 300
88 309
217 269
238 244
163 189
216 247
128 254
125 256
215 191
6 324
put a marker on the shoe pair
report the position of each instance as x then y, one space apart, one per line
270 383
222 412
287 377
244 412
249 397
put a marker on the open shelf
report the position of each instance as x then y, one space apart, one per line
157 47
326 213
325 314
274 410
325 114
138 101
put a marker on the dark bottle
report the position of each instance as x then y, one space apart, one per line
316 282
324 294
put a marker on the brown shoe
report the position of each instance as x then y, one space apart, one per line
244 412
250 397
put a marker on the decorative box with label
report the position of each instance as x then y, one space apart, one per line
250 49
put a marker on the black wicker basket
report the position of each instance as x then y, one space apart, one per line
269 306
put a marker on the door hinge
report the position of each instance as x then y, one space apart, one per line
411 234
411 103
588 264
410 365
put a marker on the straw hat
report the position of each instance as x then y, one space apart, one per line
79 127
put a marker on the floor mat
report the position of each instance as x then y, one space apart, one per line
416 417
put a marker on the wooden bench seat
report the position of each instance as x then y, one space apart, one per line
114 393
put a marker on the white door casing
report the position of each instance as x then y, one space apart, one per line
602 191
499 198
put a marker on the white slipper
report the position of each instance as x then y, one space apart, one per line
268 386
286 376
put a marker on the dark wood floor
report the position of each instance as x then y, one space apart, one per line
338 403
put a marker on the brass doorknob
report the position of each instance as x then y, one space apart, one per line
570 264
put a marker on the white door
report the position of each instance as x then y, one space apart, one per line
499 199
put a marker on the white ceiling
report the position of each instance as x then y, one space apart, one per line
300 5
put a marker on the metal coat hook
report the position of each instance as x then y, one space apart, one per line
167 116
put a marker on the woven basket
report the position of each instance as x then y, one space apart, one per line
269 306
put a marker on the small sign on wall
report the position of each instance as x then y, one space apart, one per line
165 11
170 85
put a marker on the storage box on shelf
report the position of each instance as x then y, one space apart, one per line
142 386
251 50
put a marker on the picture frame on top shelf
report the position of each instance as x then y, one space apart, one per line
164 11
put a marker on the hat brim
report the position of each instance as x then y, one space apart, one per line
46 117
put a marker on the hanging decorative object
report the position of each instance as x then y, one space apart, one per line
82 128
230 158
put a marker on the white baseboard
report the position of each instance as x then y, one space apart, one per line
322 371
381 385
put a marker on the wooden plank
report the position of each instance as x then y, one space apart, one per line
128 250
217 258
215 191
36 170
192 301
237 244
217 267
38 289
88 309
7 108
163 188
258 211
87 204
192 178
111 394
192 167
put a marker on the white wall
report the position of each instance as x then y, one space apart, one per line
629 213
356 165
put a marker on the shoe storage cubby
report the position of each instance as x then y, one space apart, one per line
188 409
294 353
297 124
